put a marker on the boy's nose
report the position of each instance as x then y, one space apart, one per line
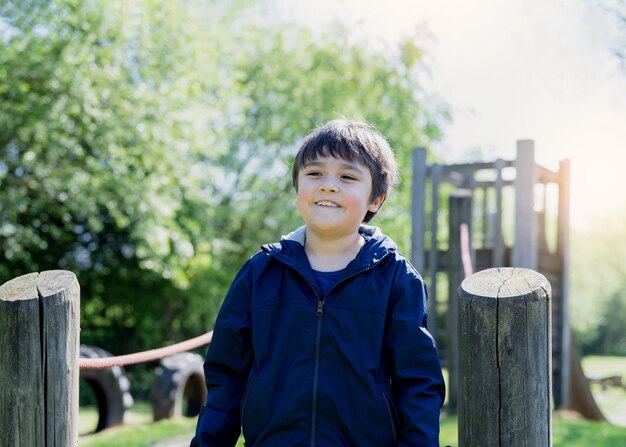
329 187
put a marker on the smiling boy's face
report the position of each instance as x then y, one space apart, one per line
334 196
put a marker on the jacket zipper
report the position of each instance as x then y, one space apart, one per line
244 400
318 341
319 313
388 404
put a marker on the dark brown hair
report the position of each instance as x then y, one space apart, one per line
351 141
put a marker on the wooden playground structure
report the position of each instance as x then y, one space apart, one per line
538 238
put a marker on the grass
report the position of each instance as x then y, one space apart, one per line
140 431
143 435
566 433
587 433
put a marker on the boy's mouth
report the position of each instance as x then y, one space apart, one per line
328 204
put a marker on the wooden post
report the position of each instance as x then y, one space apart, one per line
525 248
460 207
418 209
39 340
562 397
433 253
499 247
505 359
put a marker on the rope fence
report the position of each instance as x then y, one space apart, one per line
146 356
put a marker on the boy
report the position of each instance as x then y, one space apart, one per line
322 338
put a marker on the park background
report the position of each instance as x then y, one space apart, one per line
146 145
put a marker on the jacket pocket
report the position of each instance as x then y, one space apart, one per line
392 415
244 400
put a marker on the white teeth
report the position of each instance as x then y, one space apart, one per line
325 203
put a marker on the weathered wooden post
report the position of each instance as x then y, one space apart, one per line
525 248
39 343
418 205
564 384
505 359
460 208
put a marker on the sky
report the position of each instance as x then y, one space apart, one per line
512 70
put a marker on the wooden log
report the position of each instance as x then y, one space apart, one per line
562 396
485 217
460 206
435 176
39 335
525 248
499 247
505 361
418 208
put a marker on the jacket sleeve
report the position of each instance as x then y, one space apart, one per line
226 368
412 359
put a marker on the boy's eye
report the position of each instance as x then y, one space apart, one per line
348 177
313 173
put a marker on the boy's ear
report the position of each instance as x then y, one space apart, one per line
376 203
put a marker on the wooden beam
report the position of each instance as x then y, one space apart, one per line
498 248
525 248
460 206
433 252
418 208
563 250
467 168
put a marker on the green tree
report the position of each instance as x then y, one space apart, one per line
109 123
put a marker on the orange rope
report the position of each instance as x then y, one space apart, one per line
145 356
466 257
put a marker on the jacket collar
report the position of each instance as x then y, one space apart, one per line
290 250
299 234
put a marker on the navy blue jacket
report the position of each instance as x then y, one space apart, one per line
292 367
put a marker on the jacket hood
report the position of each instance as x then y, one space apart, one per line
290 249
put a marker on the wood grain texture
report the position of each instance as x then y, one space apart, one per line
460 211
505 359
39 335
525 249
